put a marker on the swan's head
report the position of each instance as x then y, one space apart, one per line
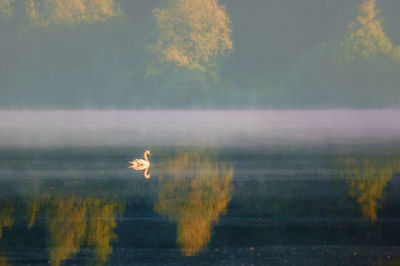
147 152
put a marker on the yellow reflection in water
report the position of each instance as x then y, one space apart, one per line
193 195
6 215
367 180
66 226
3 261
32 210
49 12
74 221
101 226
7 219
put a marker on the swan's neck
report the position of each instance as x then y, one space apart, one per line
145 157
146 174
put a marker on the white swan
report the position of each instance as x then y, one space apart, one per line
140 164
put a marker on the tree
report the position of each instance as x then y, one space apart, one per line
192 33
50 12
365 38
6 7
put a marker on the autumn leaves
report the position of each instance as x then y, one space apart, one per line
50 12
66 12
192 33
365 38
174 54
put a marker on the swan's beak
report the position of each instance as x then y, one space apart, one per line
150 153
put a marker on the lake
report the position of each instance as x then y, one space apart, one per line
224 187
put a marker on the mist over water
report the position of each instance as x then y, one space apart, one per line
207 128
258 187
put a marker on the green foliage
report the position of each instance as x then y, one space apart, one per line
6 8
338 55
192 33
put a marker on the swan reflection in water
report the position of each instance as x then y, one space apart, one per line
194 193
140 164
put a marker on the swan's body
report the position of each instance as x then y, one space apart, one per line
140 164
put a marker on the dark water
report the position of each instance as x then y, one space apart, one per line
240 194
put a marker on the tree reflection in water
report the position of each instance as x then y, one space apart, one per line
195 192
75 221
3 261
6 215
7 219
367 179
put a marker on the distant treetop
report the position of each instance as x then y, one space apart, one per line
192 33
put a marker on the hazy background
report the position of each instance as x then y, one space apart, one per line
264 54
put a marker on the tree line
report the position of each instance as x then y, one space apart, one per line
198 54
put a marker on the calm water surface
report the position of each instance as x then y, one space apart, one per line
226 187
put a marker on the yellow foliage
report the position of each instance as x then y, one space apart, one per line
367 179
6 215
365 36
195 193
396 52
50 12
6 7
192 32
